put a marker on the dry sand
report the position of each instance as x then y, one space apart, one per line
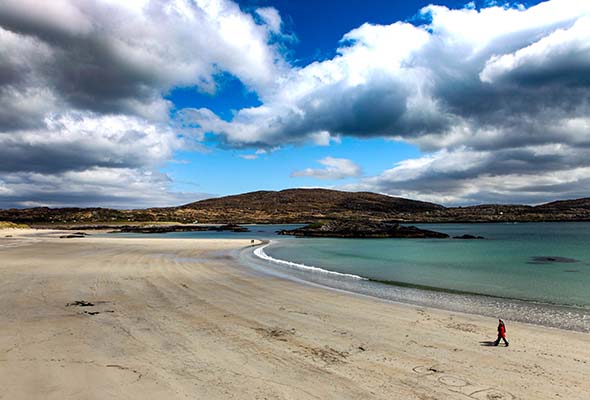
176 319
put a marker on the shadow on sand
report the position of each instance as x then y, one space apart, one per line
487 343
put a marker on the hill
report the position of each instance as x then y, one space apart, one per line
304 206
563 210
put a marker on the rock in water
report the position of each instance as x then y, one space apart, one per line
362 229
468 237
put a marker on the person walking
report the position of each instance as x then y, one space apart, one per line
501 333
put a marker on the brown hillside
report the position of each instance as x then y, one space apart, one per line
304 205
583 203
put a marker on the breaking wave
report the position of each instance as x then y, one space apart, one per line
260 253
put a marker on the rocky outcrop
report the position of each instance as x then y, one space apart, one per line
362 229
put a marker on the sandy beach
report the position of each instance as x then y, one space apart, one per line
104 318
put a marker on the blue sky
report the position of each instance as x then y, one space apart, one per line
224 172
157 103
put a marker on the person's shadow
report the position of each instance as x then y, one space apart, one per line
487 343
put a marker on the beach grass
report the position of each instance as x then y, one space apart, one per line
12 225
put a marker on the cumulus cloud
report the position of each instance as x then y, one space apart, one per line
499 95
335 168
83 86
111 56
426 83
561 55
497 83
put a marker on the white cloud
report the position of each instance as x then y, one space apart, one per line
415 82
258 153
561 52
109 187
80 140
248 156
335 168
123 57
271 18
479 91
156 45
533 175
82 86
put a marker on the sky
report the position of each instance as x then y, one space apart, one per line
163 102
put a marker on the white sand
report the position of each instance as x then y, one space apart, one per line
177 319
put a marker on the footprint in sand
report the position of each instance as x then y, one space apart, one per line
459 385
491 394
453 381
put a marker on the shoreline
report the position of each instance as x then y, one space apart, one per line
538 313
177 318
399 303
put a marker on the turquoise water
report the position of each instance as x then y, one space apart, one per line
503 265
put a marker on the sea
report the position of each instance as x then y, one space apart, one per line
530 272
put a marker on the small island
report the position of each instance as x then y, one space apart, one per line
362 229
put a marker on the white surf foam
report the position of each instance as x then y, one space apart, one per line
259 252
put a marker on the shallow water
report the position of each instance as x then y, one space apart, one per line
542 262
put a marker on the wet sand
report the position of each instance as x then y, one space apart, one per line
180 318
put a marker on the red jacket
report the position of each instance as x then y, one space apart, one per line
501 331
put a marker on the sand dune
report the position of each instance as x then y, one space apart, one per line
176 319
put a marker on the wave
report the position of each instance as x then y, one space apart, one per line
259 252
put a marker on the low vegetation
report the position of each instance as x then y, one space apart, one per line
12 225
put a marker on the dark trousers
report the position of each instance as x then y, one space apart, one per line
497 342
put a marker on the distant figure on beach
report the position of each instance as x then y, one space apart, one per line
501 333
